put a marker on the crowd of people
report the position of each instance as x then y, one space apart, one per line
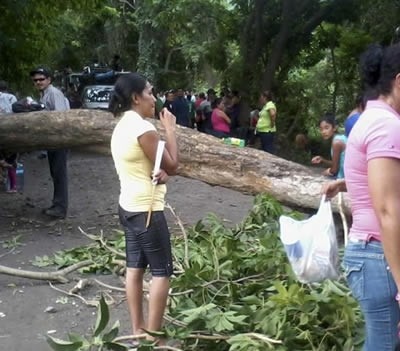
365 162
223 115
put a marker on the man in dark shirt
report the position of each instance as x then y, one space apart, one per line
180 108
169 99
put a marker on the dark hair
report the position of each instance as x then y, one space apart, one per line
329 118
3 85
235 93
202 96
216 102
267 94
125 86
379 67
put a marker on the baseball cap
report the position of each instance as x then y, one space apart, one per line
41 70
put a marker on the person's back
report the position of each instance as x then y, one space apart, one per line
206 109
368 140
180 108
6 99
342 138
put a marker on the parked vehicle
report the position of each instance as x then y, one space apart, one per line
96 96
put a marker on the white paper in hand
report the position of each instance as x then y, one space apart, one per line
157 163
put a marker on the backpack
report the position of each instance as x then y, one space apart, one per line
27 105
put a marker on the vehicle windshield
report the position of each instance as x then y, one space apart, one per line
98 94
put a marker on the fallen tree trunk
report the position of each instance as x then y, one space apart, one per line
202 156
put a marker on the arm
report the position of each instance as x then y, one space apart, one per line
224 116
320 159
337 148
149 142
331 189
383 185
272 114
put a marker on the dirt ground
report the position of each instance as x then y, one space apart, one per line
94 188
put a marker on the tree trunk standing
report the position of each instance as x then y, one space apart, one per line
251 45
288 11
202 156
150 40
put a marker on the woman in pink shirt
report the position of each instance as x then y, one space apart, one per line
372 169
219 119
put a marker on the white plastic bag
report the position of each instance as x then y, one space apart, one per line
311 245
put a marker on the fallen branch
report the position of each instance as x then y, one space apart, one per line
104 285
100 239
8 252
185 237
58 276
214 337
91 303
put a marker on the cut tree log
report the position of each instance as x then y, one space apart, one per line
202 156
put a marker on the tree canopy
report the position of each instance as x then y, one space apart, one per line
305 51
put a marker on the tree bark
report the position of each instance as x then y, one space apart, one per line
202 156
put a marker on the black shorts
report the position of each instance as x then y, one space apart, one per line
147 246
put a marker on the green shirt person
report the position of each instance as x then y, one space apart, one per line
266 126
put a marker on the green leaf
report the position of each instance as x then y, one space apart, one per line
114 346
112 334
103 316
76 338
62 345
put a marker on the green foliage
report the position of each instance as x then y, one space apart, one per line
12 243
100 339
103 260
239 292
240 282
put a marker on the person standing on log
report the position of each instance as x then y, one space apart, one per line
133 147
54 100
372 168
266 125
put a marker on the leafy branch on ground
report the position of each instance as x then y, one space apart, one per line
237 291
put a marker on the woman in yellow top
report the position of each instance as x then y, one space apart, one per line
266 127
133 146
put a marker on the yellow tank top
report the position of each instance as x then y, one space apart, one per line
133 167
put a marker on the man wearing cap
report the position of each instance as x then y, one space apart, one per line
54 100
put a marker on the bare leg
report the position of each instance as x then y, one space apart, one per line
157 302
134 294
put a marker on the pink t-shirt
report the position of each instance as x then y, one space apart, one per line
218 123
376 134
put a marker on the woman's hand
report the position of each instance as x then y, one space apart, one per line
316 160
328 173
331 189
168 120
161 177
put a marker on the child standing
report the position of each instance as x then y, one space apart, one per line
328 129
10 164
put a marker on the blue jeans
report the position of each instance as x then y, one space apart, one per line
372 285
267 141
